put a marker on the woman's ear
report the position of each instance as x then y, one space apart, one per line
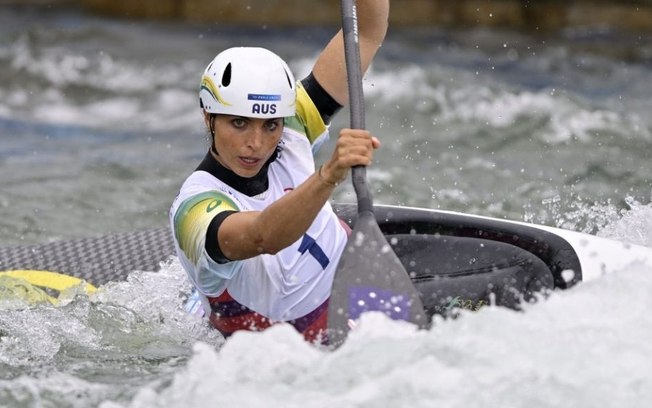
209 121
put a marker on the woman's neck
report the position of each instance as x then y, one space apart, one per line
250 186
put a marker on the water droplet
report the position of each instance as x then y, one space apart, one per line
568 275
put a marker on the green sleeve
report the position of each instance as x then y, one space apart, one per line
193 217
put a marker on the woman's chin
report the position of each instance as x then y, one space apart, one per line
246 169
247 172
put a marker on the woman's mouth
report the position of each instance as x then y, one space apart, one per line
248 161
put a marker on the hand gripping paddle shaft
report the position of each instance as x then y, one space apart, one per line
369 277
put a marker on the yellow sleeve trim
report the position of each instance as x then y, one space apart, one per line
308 120
193 217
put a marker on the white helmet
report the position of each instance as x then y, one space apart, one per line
250 82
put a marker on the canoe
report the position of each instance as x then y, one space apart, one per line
455 260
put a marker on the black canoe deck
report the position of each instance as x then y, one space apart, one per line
450 257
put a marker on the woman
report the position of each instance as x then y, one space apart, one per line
252 225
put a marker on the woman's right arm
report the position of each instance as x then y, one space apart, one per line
247 234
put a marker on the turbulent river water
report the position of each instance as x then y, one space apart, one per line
99 125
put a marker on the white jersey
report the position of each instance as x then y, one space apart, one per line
284 286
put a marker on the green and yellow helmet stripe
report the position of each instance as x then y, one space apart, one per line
208 85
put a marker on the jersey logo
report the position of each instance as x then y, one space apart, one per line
213 205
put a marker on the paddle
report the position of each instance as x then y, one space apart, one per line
369 277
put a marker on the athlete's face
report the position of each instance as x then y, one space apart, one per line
245 144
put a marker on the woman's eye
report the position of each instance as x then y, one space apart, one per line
272 125
239 123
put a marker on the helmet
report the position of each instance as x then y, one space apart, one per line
250 82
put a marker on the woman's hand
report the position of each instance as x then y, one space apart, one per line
354 147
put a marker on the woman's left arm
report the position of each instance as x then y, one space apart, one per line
330 67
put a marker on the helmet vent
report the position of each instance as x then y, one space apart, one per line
226 76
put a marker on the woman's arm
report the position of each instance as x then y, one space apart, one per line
330 68
246 234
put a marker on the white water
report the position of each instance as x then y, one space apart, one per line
583 348
99 126
588 347
126 347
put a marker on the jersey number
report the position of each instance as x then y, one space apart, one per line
309 244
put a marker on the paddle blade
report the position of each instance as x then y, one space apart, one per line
370 277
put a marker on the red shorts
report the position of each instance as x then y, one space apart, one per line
229 316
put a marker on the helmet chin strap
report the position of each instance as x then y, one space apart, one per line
211 127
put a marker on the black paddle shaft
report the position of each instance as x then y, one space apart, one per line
356 97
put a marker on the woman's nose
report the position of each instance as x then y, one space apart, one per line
255 139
